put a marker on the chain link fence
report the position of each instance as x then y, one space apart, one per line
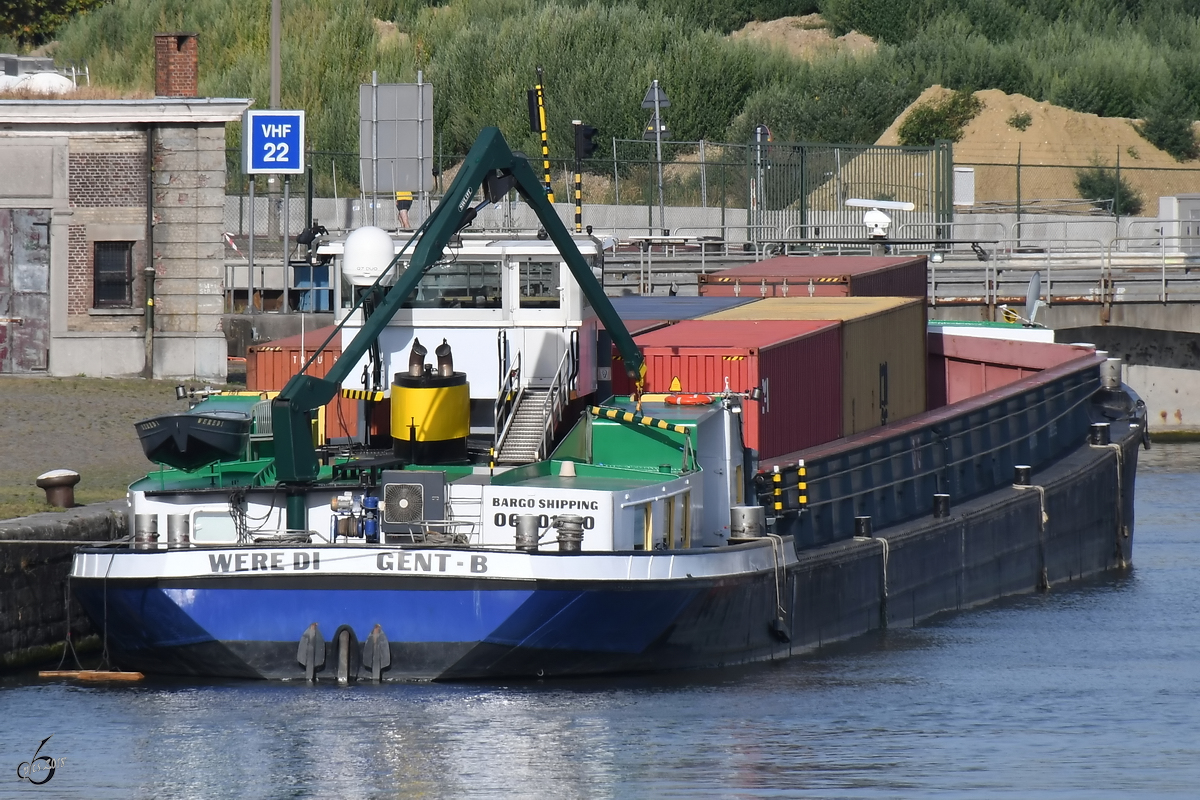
1112 189
765 190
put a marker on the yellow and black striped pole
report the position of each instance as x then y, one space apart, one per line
541 108
578 179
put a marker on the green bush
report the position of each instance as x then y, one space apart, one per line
1107 191
1021 120
1167 129
939 119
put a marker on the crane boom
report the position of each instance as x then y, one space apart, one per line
490 164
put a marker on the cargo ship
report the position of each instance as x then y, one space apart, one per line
520 488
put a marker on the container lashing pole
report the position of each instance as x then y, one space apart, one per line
540 90
578 179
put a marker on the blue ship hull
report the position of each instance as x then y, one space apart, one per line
460 630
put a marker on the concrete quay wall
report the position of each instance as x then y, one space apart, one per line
35 560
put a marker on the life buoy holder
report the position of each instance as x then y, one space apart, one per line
688 399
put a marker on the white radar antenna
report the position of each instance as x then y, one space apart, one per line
876 221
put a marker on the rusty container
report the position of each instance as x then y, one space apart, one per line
820 276
270 365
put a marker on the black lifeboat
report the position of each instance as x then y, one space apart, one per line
192 440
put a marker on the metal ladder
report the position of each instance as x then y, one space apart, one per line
526 431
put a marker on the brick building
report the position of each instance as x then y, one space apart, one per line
94 194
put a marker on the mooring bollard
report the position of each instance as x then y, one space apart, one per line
178 531
1022 475
570 532
60 487
862 527
528 533
1098 434
145 532
941 505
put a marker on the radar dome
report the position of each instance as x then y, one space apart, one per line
366 254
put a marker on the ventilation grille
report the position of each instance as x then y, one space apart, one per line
403 502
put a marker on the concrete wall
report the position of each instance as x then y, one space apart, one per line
35 559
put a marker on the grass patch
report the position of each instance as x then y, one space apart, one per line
83 424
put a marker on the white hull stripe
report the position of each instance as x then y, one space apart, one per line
433 562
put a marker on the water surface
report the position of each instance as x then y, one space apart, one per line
1086 692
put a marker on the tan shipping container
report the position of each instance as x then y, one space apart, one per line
883 351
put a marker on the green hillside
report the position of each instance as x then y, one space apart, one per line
1110 57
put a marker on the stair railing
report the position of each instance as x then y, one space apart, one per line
508 399
555 402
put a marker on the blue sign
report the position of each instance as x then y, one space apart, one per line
273 142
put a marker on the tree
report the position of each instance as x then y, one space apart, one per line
1107 191
33 22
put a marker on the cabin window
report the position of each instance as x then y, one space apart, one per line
539 284
459 284
112 275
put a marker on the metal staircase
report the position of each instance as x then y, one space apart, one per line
526 431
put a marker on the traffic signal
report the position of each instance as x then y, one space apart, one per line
584 146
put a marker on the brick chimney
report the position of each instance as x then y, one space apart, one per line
175 64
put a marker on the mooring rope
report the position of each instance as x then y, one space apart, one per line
69 645
883 600
1122 528
1043 575
777 540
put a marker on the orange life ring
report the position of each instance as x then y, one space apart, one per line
688 399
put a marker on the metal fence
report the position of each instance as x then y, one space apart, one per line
776 186
1126 188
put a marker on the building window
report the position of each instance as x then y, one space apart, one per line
112 267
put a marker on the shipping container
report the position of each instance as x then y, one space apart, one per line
820 276
269 366
962 366
640 307
621 382
883 351
796 364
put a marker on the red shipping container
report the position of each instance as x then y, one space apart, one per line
621 382
269 366
825 276
797 364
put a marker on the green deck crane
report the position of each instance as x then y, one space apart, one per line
494 168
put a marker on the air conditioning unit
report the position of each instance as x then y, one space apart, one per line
408 499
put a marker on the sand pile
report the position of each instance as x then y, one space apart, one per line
1055 143
804 37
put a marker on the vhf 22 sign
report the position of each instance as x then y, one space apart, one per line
273 142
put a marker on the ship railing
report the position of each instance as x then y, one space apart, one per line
555 402
508 397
